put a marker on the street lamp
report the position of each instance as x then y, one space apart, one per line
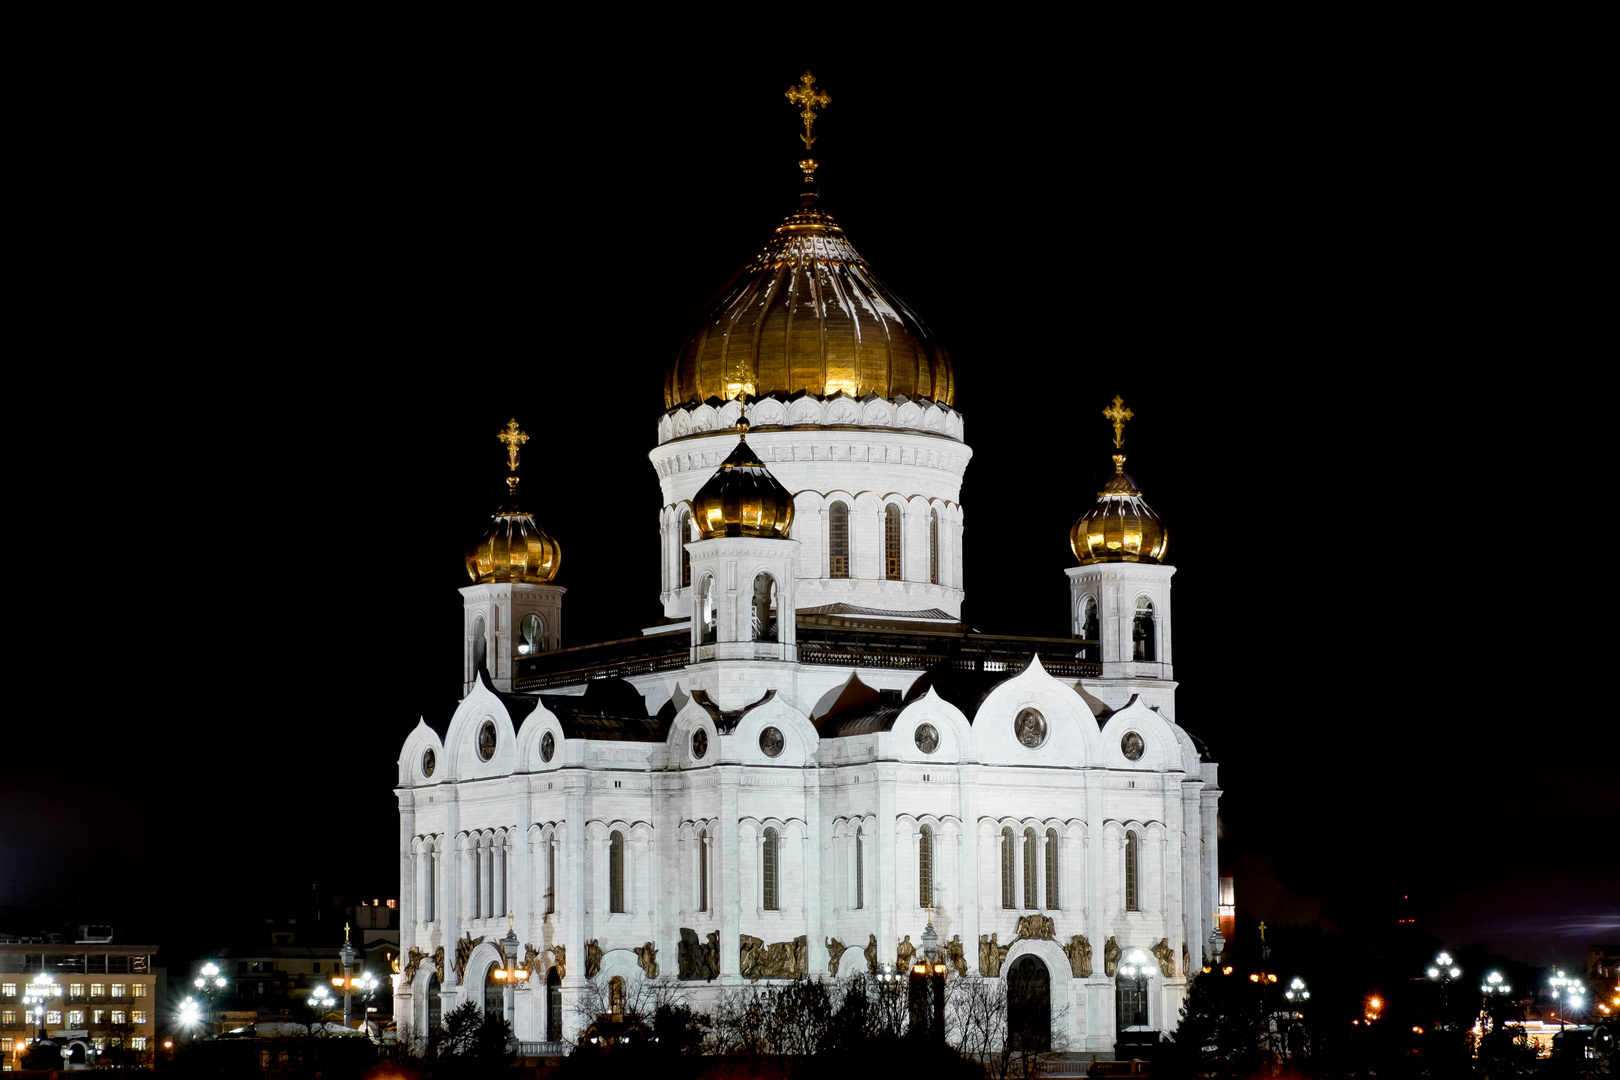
189 1015
321 1002
1445 972
209 983
1571 990
1494 988
35 994
510 975
364 984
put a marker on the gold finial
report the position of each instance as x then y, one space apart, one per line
807 95
514 440
1118 414
345 933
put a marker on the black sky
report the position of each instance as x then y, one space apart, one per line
1353 308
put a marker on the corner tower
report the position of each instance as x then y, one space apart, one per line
511 609
1120 593
851 399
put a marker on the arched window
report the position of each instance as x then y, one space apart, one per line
1051 869
768 871
554 1006
1143 637
703 870
684 532
1089 627
891 542
1132 900
532 630
933 546
860 867
704 611
616 871
433 884
925 867
551 875
1009 895
838 540
480 645
764 609
1031 854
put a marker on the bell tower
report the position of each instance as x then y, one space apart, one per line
1119 595
512 609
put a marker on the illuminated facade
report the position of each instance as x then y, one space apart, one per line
812 753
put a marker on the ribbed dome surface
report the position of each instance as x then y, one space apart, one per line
514 549
1121 527
808 315
743 499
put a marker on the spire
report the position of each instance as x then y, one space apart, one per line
806 95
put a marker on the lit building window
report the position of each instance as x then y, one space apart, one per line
98 1016
891 542
119 1016
138 1016
138 990
75 1017
5 1045
98 989
8 989
118 990
53 1016
8 1016
138 1043
76 989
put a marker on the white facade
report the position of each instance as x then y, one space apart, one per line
616 833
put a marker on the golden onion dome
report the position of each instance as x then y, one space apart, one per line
1122 527
743 498
514 549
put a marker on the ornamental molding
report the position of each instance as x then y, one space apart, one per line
837 411
681 458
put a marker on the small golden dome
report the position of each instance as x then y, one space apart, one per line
809 315
743 498
1122 527
514 549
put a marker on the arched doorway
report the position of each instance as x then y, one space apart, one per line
553 1006
494 996
434 1011
1029 1005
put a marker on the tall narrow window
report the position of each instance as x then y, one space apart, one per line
1089 628
838 540
860 868
684 533
705 610
616 871
1051 869
891 542
1132 900
551 876
433 885
764 610
1031 853
925 867
933 546
768 871
480 645
1143 637
1009 895
703 870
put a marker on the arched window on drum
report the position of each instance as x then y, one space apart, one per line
891 542
838 540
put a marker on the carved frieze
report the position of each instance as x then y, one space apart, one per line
1078 950
695 960
1036 926
779 960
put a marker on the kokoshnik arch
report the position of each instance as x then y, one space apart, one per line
811 754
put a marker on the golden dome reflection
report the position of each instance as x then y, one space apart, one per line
742 498
514 549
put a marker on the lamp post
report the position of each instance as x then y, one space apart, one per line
209 983
1445 972
1570 989
1494 988
189 1015
1297 996
510 975
36 993
321 1002
927 989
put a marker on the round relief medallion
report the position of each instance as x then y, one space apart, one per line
486 740
1132 745
548 746
700 743
1030 727
927 738
428 762
771 742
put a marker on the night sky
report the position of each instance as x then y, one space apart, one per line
1351 309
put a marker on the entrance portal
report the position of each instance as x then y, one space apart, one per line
1029 1006
553 1007
494 996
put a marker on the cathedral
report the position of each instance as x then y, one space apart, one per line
810 766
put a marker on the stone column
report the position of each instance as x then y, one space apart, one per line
571 905
408 881
1020 900
817 842
450 886
968 896
727 877
884 879
500 851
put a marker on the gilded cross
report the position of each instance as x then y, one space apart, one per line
345 931
1118 414
513 438
807 95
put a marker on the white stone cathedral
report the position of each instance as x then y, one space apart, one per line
811 756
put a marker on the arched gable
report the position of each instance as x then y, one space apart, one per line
412 760
1161 749
462 761
1071 730
532 734
954 732
690 719
799 737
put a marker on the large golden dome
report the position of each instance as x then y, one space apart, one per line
1121 527
514 549
809 315
743 498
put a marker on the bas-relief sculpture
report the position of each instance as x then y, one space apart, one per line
835 951
560 954
1186 965
593 958
438 962
953 949
903 953
779 960
1111 955
464 950
871 953
530 955
696 960
1167 959
413 960
1078 950
647 957
991 955
1039 927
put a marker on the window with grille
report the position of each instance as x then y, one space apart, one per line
616 871
933 547
838 541
1009 896
685 532
891 542
1132 900
860 868
925 867
1051 869
1030 855
768 870
703 870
